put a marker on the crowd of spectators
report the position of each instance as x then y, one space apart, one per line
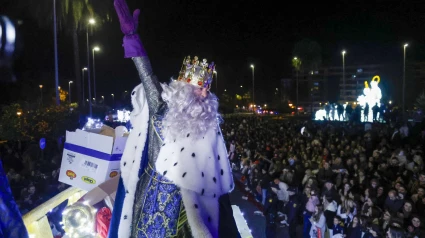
318 179
332 179
33 175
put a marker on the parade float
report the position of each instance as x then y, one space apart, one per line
90 165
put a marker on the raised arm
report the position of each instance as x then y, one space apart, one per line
133 48
150 83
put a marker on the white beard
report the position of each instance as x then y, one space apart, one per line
188 113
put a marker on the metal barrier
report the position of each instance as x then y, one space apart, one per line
36 220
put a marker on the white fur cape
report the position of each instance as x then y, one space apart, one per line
130 161
200 169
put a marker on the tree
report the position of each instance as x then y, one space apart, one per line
227 103
420 101
18 122
296 63
10 123
310 53
63 95
72 16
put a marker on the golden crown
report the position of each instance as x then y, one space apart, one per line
197 73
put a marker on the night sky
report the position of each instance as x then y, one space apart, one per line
234 34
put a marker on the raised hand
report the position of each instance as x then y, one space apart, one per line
128 22
132 45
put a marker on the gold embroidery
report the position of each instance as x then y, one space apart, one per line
154 177
182 219
157 125
160 203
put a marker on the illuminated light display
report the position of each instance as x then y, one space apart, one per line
371 96
92 124
123 116
320 115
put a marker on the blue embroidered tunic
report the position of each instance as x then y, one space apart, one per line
162 211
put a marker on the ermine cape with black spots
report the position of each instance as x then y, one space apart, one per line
200 168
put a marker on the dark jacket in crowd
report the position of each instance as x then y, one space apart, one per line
332 193
393 205
324 175
292 209
355 232
337 229
265 180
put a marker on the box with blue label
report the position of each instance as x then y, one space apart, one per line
90 159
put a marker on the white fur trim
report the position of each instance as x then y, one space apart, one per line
197 165
203 218
130 161
202 171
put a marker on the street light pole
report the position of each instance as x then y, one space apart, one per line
69 89
41 94
94 72
404 76
113 99
296 72
343 74
253 85
91 22
84 88
56 53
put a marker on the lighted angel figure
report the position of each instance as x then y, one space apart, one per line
372 96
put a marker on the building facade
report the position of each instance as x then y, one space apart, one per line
355 77
328 84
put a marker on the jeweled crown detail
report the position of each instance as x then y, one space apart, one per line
197 73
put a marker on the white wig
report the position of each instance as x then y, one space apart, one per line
188 112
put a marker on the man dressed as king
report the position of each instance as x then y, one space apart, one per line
175 175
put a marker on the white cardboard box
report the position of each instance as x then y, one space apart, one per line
90 159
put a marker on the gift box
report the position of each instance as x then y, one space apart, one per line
90 159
